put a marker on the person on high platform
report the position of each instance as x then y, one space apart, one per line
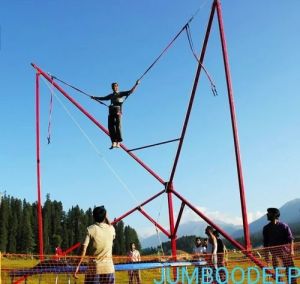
115 112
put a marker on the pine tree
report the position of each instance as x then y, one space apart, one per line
130 236
4 215
57 216
56 224
28 242
13 226
76 225
127 238
65 242
35 227
19 227
89 215
47 225
19 213
119 243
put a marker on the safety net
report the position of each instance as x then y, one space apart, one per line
271 265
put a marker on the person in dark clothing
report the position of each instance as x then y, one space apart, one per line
222 256
221 250
115 112
279 242
211 250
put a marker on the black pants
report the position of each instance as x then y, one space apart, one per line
287 261
114 127
134 277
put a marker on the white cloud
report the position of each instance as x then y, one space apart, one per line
252 216
216 216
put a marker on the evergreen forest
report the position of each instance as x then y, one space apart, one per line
19 227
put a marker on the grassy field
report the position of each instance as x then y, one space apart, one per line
238 264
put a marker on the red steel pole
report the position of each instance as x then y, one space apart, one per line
38 170
171 220
47 77
67 251
193 92
154 222
234 128
179 217
136 208
170 183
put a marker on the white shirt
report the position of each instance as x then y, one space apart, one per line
134 255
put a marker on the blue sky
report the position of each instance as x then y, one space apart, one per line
94 43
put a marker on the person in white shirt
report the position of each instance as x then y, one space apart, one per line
199 250
198 255
134 256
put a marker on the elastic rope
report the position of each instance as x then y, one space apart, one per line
173 40
94 147
166 48
190 40
50 115
157 233
75 88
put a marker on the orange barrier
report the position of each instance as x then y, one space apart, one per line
233 267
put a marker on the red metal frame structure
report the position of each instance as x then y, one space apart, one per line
168 185
38 169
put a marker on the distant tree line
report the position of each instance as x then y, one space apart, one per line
184 243
19 227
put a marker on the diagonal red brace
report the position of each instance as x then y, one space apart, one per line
154 222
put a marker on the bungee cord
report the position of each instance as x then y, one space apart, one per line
50 115
165 49
173 40
75 88
190 40
156 229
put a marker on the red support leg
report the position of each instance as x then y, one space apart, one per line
186 121
234 128
179 217
39 206
136 208
154 222
171 220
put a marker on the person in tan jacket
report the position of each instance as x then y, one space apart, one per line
101 235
